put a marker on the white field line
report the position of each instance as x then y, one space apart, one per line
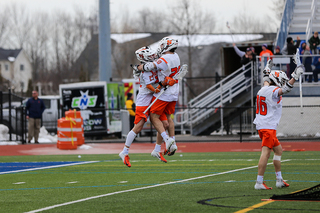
146 187
48 167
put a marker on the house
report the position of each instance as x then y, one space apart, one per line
15 69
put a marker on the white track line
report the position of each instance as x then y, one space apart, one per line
136 189
48 167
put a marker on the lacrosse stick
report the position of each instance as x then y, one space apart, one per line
230 32
178 76
300 88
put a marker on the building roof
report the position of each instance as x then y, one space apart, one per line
5 54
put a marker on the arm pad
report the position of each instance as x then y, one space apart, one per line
287 87
148 66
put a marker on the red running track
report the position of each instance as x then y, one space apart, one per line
115 148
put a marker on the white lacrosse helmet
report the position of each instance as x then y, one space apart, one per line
145 54
278 77
167 44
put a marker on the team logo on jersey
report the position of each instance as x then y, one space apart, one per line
84 101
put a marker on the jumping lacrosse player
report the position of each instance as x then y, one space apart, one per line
268 114
168 65
148 85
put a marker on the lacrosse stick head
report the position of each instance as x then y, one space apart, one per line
182 72
228 25
296 58
146 54
278 77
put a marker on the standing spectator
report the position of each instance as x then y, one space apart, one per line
245 59
292 48
307 61
131 107
302 47
265 53
34 110
316 71
277 53
314 42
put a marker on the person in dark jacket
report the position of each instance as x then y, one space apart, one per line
316 71
292 49
314 41
34 110
307 62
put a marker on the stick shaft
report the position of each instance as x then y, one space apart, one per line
162 91
300 88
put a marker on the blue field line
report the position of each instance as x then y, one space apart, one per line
8 168
151 184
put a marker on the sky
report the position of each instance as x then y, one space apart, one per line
224 10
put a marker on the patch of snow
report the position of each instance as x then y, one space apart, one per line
85 147
202 40
121 38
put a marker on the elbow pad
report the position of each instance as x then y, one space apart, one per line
148 66
287 87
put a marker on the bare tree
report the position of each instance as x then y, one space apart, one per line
278 7
20 24
244 23
188 20
4 26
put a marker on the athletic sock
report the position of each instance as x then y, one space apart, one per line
260 178
125 150
157 148
130 137
164 135
278 175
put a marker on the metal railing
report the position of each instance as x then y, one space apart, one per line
215 97
285 23
310 20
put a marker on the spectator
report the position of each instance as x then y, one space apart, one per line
314 42
34 110
292 49
316 71
307 61
245 59
277 53
131 107
265 53
302 47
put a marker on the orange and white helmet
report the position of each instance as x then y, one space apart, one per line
145 54
278 77
167 44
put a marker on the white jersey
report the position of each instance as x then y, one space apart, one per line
145 95
168 65
269 108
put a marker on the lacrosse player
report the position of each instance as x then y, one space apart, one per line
148 85
168 65
268 114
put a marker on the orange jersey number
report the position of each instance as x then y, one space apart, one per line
174 71
154 76
261 105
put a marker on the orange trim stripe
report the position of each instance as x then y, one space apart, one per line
275 89
164 60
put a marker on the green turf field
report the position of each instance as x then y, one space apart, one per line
221 190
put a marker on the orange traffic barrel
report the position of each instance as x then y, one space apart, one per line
68 130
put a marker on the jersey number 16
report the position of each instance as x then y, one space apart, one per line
261 105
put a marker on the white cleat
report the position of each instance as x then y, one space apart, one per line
158 155
169 142
125 158
173 149
281 184
261 185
